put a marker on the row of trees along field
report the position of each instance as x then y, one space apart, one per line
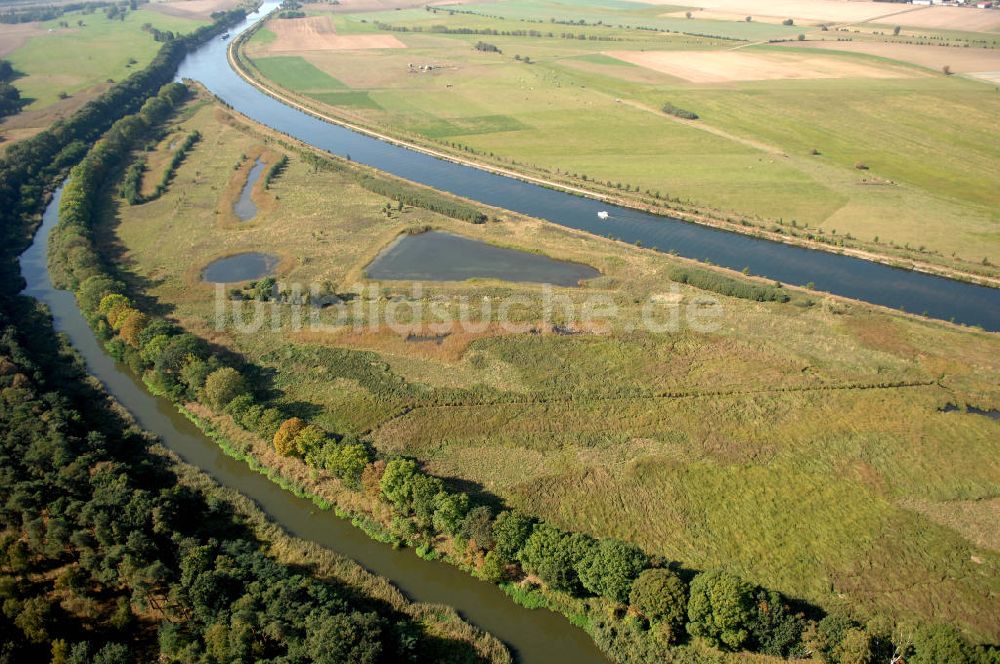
637 607
105 556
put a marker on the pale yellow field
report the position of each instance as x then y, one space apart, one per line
847 11
193 8
836 11
727 66
952 18
960 60
13 37
316 33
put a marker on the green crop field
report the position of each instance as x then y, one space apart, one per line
802 444
895 158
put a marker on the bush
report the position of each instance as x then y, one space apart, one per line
510 532
662 597
554 556
719 283
788 21
222 386
670 109
284 438
721 609
610 567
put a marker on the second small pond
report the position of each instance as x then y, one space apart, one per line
245 208
240 267
440 256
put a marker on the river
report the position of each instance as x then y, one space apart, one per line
536 637
842 275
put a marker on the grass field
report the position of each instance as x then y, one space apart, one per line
802 444
79 60
783 149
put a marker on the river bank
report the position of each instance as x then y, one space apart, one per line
243 66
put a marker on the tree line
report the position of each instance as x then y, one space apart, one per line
403 192
131 186
105 556
10 97
720 283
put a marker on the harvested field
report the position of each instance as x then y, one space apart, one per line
316 33
837 11
353 6
961 61
728 66
13 37
952 18
198 9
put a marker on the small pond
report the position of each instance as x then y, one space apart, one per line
241 267
439 256
245 208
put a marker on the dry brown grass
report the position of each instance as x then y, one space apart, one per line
14 36
728 66
976 520
199 9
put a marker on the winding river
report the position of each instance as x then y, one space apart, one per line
855 278
536 637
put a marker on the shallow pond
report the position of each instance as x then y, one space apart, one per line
241 267
439 256
245 208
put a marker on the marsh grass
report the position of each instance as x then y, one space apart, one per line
800 445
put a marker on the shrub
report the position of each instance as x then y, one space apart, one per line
940 643
775 631
449 510
396 481
477 527
131 326
721 609
610 567
719 283
284 438
554 556
510 531
670 109
348 461
788 21
661 596
222 386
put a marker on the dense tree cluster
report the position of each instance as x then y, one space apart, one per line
104 557
679 112
10 97
275 171
719 283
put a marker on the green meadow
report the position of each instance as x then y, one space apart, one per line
77 58
803 444
901 164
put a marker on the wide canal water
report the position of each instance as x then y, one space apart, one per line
851 277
